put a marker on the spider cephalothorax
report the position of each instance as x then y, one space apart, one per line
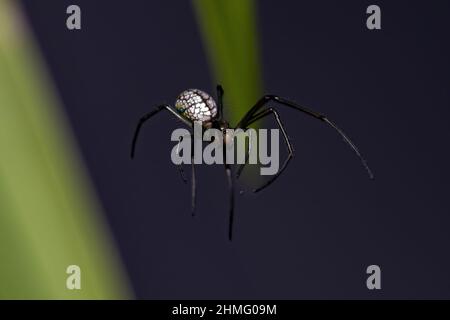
195 105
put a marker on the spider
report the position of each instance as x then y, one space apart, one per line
195 105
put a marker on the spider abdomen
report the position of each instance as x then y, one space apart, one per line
196 105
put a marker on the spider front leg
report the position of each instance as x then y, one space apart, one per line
231 193
247 157
189 123
183 176
220 100
267 98
180 166
148 116
290 149
193 182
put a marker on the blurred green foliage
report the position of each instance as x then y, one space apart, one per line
229 30
49 215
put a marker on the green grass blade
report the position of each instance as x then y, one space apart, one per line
49 215
231 39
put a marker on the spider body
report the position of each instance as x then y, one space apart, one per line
195 105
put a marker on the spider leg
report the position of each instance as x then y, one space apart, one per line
150 115
231 191
264 100
180 166
183 176
290 149
193 183
184 120
247 156
220 100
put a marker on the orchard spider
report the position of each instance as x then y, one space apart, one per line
195 105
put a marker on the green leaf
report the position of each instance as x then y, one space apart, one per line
49 214
231 40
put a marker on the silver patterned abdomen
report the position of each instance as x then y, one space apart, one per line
196 105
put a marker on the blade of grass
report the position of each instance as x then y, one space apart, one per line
231 39
49 216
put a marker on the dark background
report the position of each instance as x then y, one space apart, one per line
313 233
